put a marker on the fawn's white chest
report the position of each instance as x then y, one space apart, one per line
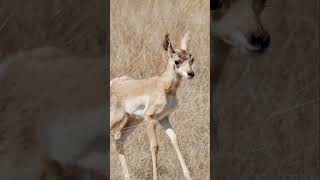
139 105
170 105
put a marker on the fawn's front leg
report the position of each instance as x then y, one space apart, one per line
165 123
150 123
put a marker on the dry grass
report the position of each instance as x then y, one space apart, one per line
137 31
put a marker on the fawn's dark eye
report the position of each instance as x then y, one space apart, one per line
177 62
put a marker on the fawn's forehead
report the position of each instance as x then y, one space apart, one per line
183 54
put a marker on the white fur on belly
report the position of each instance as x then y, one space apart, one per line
137 105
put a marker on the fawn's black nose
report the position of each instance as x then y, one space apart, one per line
261 41
191 74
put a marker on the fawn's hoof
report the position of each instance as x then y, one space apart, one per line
127 178
187 175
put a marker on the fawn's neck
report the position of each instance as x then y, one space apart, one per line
171 80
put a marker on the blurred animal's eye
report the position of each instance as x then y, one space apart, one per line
216 4
177 62
258 6
262 2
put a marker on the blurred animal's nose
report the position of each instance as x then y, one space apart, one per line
261 41
190 74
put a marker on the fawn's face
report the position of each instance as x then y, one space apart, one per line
182 60
238 23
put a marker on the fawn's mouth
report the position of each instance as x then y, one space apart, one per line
185 75
190 77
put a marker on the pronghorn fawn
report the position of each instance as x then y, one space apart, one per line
150 101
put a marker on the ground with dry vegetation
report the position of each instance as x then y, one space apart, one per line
137 31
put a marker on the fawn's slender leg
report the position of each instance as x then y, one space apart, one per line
120 118
153 145
165 123
119 146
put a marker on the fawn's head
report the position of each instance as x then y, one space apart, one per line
181 59
238 23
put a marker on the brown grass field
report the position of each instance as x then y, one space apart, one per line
137 31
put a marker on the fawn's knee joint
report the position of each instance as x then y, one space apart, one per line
127 177
173 136
154 147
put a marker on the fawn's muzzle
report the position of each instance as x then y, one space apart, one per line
190 74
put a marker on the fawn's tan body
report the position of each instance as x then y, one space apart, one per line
150 101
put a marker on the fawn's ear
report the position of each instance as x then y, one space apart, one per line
185 41
167 45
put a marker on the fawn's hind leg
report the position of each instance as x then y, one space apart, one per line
118 121
122 125
120 151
